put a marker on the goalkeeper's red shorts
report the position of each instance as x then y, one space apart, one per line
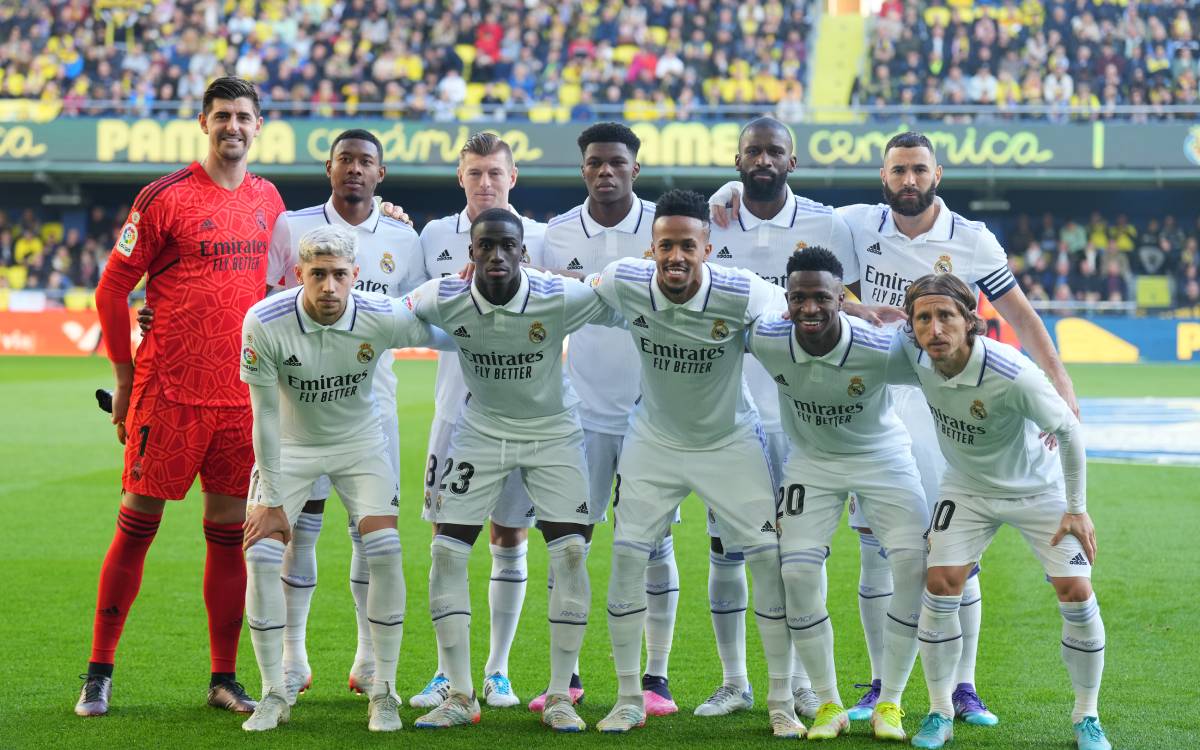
167 444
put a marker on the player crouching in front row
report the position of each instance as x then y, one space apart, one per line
309 357
990 402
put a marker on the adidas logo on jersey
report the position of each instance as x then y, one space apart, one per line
445 255
724 253
582 507
767 528
574 265
874 249
462 331
292 361
781 380
1078 559
208 224
640 322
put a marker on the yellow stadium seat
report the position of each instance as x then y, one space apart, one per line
77 299
568 94
562 113
658 35
17 276
1153 291
623 55
3 298
503 91
465 52
474 93
468 112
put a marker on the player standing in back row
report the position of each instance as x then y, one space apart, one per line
613 223
201 235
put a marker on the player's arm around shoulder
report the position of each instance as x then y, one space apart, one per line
408 329
901 360
765 297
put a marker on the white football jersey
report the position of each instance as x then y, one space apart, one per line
988 418
888 261
838 403
764 246
445 244
601 361
389 262
325 372
692 391
511 355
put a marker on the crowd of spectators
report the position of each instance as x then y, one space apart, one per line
1097 260
419 59
37 253
1080 59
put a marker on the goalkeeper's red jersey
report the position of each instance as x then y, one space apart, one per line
204 251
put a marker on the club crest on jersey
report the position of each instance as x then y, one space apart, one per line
249 357
801 245
978 411
648 255
537 332
525 257
943 265
365 353
856 388
135 471
260 219
387 263
128 239
719 330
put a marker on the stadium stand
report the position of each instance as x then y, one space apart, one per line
417 59
1078 60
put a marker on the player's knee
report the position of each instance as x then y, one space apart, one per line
627 581
1075 589
223 508
802 586
572 594
265 553
908 582
945 580
507 536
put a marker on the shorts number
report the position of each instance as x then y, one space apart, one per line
942 513
431 471
253 494
790 501
617 492
465 472
144 431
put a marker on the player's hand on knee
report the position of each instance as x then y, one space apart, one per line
145 318
263 522
394 211
1078 525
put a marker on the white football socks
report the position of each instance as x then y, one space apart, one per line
627 614
299 576
874 597
1083 653
727 599
941 646
569 605
506 596
360 585
266 612
808 621
385 602
770 614
970 614
662 589
900 623
450 610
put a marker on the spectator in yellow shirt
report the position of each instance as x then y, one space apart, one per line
1123 234
27 245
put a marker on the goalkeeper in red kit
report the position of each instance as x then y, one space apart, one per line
200 236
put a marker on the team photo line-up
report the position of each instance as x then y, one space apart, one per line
771 354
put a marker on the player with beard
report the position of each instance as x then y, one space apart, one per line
775 222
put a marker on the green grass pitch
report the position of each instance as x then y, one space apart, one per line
59 492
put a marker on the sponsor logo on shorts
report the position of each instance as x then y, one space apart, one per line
387 263
128 239
365 353
856 387
943 265
781 379
874 249
529 513
640 322
574 265
724 254
583 508
719 330
1078 559
537 332
395 501
977 410
767 528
